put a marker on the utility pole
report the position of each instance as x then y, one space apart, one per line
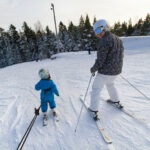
52 8
59 44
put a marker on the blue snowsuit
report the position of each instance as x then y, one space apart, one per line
48 89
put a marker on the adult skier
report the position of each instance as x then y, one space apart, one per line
48 89
109 64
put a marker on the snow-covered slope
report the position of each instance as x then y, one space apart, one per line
71 73
136 42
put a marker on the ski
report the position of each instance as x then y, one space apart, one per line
45 118
124 110
99 126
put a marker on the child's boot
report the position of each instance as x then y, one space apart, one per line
55 114
45 119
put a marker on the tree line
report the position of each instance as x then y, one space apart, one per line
28 44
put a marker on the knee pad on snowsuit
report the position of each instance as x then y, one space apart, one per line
44 106
52 104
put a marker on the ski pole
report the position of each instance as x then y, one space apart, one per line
83 102
21 144
135 87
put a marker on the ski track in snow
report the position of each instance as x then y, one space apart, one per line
71 73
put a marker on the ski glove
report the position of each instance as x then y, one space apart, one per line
36 111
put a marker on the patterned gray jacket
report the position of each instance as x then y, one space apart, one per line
109 55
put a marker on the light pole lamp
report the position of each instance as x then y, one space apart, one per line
52 8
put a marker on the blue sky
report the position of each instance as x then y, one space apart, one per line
16 11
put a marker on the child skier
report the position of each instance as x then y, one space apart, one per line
48 89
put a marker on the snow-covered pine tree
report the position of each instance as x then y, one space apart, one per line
74 39
3 48
14 40
88 34
124 28
63 38
50 38
146 25
130 29
30 40
117 28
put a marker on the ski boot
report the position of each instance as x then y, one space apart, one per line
45 119
94 114
117 104
55 115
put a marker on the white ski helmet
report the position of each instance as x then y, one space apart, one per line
44 74
103 24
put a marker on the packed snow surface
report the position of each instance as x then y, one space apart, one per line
71 74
